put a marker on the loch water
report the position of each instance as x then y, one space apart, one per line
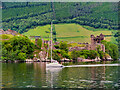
36 75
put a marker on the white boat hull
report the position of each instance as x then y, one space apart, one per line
54 65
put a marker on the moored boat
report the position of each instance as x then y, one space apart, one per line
53 63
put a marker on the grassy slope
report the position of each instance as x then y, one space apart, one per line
38 31
67 32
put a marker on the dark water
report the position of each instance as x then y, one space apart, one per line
36 75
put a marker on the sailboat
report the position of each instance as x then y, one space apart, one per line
53 63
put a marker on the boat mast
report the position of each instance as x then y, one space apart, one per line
51 41
47 49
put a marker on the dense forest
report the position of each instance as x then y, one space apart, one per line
21 16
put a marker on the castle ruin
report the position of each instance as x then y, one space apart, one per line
95 41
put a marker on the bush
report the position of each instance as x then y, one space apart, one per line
87 54
75 55
56 46
21 56
93 54
55 55
64 46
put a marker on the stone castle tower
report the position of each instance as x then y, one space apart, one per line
95 41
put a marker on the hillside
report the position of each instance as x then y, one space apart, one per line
26 15
68 32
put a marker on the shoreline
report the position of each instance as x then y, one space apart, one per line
87 60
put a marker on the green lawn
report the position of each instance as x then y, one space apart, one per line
68 32
38 31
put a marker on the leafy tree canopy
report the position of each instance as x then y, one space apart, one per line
17 48
64 46
39 43
111 49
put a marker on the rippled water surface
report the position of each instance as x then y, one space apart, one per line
36 75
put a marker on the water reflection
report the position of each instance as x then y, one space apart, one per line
52 75
93 77
36 75
39 74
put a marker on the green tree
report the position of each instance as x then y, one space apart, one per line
111 49
93 54
21 56
101 54
39 43
54 32
86 53
56 55
56 46
64 46
17 48
74 55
